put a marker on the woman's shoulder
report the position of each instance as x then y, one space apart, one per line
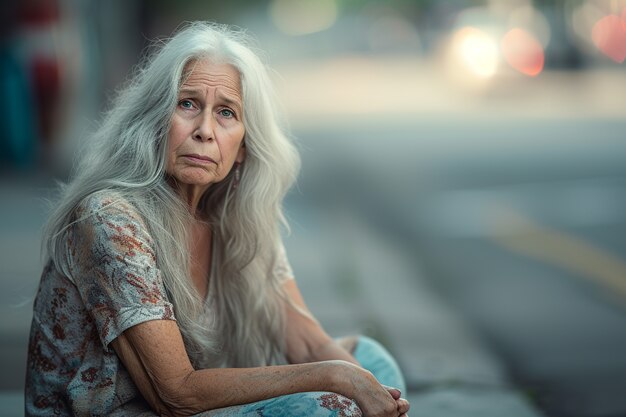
105 222
109 204
109 213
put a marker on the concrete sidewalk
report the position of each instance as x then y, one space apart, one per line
356 282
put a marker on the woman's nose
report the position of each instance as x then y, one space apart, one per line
205 128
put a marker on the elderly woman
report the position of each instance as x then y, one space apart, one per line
167 288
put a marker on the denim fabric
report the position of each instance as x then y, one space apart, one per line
376 359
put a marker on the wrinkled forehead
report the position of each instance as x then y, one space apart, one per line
211 71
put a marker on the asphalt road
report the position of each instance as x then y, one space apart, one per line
549 297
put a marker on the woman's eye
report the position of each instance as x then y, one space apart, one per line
227 113
186 104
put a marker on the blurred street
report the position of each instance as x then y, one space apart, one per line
515 219
532 259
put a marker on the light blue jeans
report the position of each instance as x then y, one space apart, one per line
370 354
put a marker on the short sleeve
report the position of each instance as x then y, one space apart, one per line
282 269
113 265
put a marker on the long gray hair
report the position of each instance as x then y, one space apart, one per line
127 154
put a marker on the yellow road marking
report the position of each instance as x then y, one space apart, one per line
521 234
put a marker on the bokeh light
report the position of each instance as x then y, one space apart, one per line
583 19
516 33
523 52
532 21
609 36
301 17
476 50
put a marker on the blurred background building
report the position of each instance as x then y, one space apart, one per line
480 143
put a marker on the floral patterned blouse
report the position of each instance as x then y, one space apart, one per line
113 284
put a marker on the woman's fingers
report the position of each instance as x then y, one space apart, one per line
373 398
401 403
403 406
395 392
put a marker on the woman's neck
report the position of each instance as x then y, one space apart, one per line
200 257
191 194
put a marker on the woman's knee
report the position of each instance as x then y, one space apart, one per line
369 343
374 357
338 404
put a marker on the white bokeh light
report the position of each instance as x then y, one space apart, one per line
477 50
301 17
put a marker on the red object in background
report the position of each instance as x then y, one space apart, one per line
38 20
39 12
609 36
523 52
46 78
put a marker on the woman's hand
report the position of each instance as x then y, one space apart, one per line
403 405
308 342
374 399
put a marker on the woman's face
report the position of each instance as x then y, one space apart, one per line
206 133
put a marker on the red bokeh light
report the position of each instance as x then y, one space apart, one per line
523 52
609 36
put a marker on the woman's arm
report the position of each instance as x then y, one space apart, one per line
155 357
307 341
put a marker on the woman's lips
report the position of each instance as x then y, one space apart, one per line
200 159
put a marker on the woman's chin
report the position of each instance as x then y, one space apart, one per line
197 177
